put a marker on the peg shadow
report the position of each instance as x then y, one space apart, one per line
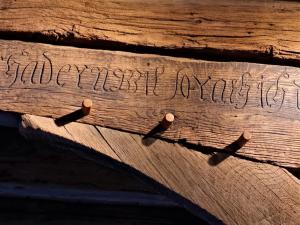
68 118
230 149
218 155
149 138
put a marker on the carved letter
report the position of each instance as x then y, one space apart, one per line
10 72
201 84
183 86
275 95
242 94
79 73
60 73
30 69
100 70
43 71
158 72
214 92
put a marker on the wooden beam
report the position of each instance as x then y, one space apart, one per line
213 102
249 30
235 191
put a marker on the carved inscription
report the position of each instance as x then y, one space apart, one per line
263 89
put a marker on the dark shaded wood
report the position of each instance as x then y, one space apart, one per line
36 163
213 103
41 183
9 119
235 191
74 194
232 29
34 211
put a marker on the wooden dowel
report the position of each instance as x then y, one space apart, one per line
244 138
167 120
86 106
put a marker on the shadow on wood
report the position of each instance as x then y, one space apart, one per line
68 118
39 137
149 138
219 155
184 175
230 149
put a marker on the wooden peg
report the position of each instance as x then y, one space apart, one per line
86 106
167 120
244 138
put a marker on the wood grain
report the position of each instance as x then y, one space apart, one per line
213 102
235 191
246 30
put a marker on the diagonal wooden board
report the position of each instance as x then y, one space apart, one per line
213 102
235 191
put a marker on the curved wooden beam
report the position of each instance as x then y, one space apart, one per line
234 190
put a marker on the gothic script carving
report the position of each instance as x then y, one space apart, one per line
25 70
213 102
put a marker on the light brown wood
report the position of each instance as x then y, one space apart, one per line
167 120
213 102
249 30
235 191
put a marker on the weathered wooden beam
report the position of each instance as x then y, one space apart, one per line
213 102
235 191
249 30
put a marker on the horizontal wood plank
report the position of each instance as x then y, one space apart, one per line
213 102
235 29
234 191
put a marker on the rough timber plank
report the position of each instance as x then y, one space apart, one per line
235 191
213 102
235 29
